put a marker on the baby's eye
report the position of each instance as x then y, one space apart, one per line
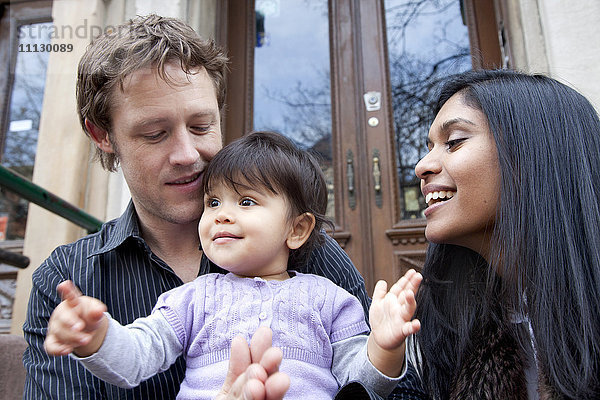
212 203
247 202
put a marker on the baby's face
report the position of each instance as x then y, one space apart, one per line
246 231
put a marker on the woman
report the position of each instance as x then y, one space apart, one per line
510 302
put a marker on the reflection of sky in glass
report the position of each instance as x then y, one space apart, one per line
24 118
291 70
430 29
427 41
26 100
292 93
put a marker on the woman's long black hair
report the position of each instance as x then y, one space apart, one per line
546 239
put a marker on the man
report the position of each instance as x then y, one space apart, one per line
149 96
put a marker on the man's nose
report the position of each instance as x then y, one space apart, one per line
183 151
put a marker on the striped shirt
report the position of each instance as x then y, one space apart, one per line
117 267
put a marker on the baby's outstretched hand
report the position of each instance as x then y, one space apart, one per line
77 324
391 321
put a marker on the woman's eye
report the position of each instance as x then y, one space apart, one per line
247 202
450 144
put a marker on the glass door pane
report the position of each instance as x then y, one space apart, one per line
25 108
292 92
427 40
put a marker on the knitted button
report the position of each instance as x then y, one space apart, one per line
262 315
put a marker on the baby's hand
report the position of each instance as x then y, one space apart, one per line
77 324
390 318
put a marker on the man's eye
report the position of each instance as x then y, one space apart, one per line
154 136
201 128
247 202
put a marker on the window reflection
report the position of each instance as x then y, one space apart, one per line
427 41
292 92
24 118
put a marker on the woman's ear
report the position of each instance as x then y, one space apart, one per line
302 227
99 137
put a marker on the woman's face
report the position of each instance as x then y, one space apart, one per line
460 177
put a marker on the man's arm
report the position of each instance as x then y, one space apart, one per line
62 377
51 377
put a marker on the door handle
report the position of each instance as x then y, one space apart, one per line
350 179
376 173
377 178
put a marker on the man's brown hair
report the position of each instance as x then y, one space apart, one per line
150 41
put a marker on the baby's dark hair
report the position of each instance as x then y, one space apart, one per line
271 161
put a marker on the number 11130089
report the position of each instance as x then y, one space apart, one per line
45 48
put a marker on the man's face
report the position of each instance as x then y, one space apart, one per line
164 136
